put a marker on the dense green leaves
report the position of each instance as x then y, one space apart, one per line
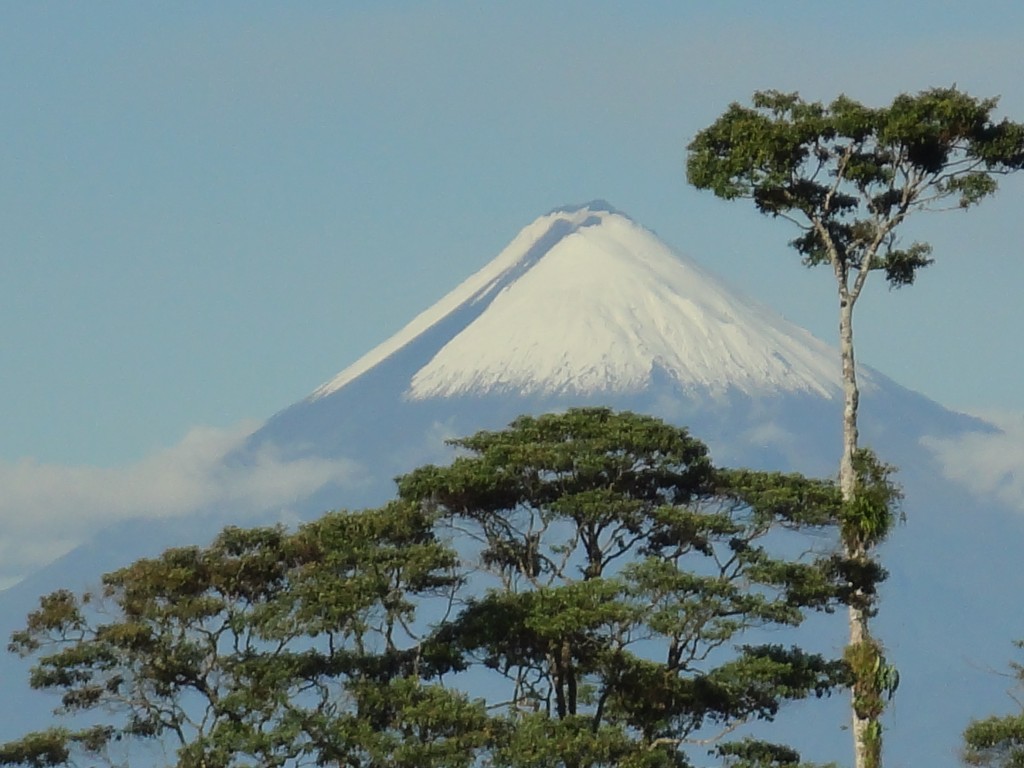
849 175
997 742
616 567
870 515
237 653
572 591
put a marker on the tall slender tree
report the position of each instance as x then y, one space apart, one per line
848 176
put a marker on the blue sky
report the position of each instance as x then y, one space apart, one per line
207 209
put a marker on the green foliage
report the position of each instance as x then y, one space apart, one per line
240 652
571 591
760 754
997 742
849 175
869 516
49 748
874 680
536 740
621 565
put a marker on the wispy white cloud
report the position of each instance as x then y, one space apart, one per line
990 463
47 509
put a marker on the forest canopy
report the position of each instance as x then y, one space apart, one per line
575 590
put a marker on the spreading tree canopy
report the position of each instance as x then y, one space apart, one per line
848 176
623 569
265 648
575 590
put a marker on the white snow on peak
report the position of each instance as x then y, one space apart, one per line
585 301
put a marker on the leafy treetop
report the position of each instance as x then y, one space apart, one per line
849 175
622 569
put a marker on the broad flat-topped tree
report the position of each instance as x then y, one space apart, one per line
848 176
620 572
572 591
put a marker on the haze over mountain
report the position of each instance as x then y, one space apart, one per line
585 306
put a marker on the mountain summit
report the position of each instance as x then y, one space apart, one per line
584 301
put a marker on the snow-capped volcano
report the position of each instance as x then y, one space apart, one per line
585 306
586 301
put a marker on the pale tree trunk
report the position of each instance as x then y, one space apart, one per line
851 398
867 751
866 755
